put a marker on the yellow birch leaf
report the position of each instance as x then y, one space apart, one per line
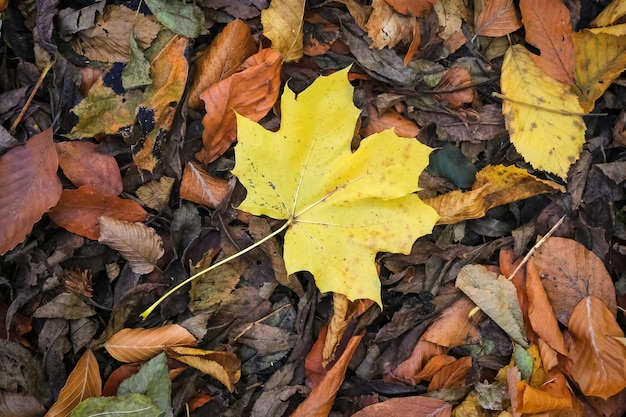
542 115
283 24
610 14
600 59
341 207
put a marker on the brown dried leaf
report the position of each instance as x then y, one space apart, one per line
108 40
250 93
598 360
156 193
84 165
223 366
569 272
553 395
283 24
421 354
549 29
407 406
139 244
455 326
230 48
389 119
200 187
498 18
78 211
386 27
434 365
417 8
458 81
452 375
82 383
29 187
137 345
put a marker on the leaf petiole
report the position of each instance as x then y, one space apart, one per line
150 309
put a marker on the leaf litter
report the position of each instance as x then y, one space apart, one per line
200 130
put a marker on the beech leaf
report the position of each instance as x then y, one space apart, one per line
341 207
542 115
139 244
137 345
222 366
407 406
498 18
29 187
283 24
82 383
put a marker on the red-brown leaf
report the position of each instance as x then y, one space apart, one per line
137 345
28 189
498 18
408 406
200 187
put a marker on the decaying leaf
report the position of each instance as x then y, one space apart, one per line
136 345
598 359
498 18
342 208
29 187
156 194
283 24
456 88
222 366
139 244
542 115
82 383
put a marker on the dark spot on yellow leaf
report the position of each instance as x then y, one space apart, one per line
571 158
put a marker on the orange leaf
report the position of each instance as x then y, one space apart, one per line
222 366
434 365
320 400
84 165
417 8
230 48
455 327
598 359
389 119
29 187
569 272
117 376
408 406
455 79
421 354
498 18
552 395
549 29
251 93
82 383
452 375
200 187
137 345
78 211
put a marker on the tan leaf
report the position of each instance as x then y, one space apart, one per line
29 187
108 40
452 375
417 8
139 244
230 48
283 24
386 27
251 93
137 345
200 187
78 211
610 14
156 193
223 366
498 18
82 383
407 406
84 165
597 359
569 272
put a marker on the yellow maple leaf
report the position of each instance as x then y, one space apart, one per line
341 207
542 115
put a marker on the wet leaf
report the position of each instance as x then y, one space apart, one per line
283 24
29 187
366 206
82 383
498 18
139 244
136 345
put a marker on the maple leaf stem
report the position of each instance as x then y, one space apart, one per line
150 309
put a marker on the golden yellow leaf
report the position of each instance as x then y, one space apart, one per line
283 24
222 366
600 59
341 207
137 345
610 14
542 115
494 186
82 383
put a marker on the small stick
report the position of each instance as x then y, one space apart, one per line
537 246
30 98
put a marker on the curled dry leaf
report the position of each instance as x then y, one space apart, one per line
552 395
230 48
137 345
200 187
251 93
455 87
84 165
139 244
78 211
29 187
386 27
498 18
82 383
283 24
610 14
223 366
598 359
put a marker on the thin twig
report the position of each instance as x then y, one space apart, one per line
30 98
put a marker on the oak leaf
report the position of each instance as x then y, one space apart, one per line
498 18
82 383
30 187
598 359
283 24
341 207
139 244
543 116
137 345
